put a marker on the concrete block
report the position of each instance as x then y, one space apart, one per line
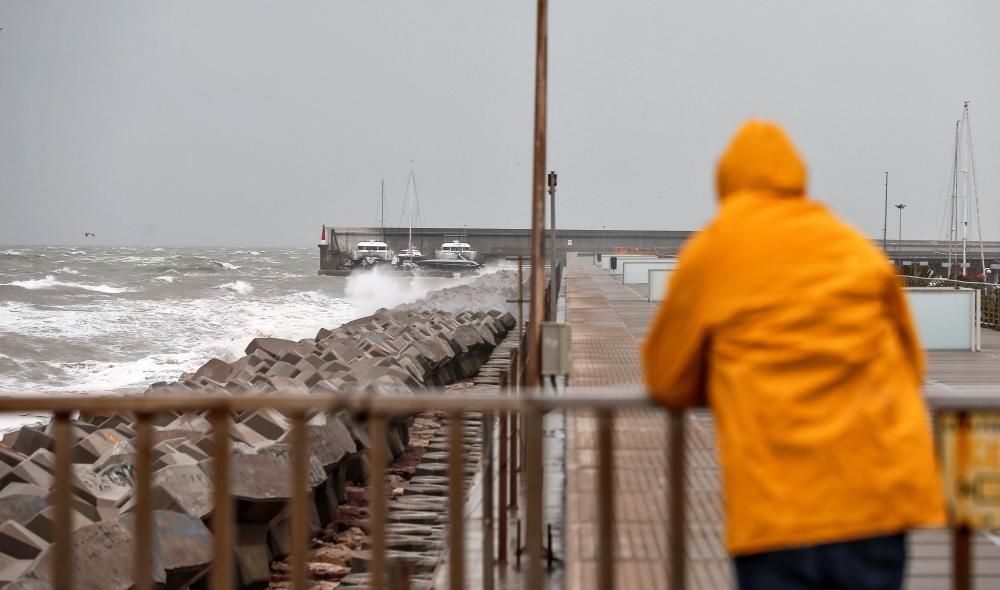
183 547
183 488
20 543
91 448
102 558
268 423
272 346
30 439
20 502
42 523
217 370
252 557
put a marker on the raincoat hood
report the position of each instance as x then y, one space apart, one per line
760 158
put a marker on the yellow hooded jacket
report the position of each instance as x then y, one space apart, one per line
794 328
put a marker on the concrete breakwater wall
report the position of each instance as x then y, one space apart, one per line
440 339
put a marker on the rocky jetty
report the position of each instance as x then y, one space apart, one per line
443 338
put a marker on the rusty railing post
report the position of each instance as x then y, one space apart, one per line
487 470
456 503
502 474
300 500
515 434
222 515
533 492
605 500
142 534
62 535
676 538
376 496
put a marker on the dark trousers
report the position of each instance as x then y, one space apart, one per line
875 563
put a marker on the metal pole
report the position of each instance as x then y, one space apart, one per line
534 351
554 288
885 217
900 206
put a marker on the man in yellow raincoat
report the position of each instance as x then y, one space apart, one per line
792 326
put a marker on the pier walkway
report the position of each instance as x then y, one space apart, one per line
609 320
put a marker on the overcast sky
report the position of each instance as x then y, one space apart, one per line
252 123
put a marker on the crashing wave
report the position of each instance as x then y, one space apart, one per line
50 282
165 278
241 287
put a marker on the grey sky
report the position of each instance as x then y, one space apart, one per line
251 123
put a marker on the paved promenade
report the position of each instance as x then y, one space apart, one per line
609 320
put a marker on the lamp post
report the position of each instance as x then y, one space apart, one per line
885 214
553 286
900 206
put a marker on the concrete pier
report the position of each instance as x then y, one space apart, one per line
609 320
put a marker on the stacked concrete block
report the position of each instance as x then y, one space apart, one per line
445 337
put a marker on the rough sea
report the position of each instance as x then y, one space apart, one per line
92 320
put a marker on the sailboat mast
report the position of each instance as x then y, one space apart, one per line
953 223
973 189
409 205
382 215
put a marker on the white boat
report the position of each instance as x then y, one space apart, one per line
371 252
454 250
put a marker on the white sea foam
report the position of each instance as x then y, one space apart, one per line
50 282
375 289
157 249
148 341
241 287
12 253
227 265
76 252
165 278
68 270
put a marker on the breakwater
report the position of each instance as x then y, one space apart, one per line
442 338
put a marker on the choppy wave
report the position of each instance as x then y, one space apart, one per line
11 253
227 265
241 287
68 270
50 282
165 278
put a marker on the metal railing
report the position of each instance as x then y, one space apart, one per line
378 409
504 409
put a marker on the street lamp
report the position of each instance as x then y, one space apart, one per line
553 277
900 206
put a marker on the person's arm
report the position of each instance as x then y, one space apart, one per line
675 349
899 312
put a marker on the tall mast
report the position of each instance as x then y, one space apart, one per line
973 189
383 210
953 223
409 205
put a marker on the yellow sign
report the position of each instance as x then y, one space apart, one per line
970 462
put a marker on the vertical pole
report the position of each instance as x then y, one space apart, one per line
487 462
534 350
534 487
502 473
456 502
554 288
222 515
961 557
677 567
515 419
143 523
885 217
376 499
300 500
605 501
62 535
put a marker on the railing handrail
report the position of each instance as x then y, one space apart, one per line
937 395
